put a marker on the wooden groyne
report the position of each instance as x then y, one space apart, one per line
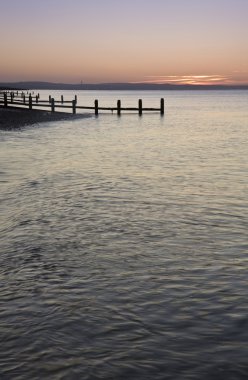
21 99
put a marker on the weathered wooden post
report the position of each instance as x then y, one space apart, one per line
52 105
30 102
118 107
74 106
24 99
37 98
140 107
5 100
96 107
76 99
162 106
62 99
50 98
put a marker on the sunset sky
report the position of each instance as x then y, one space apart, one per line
153 41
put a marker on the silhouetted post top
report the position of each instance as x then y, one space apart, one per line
140 107
96 107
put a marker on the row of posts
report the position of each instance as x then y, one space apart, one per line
52 102
140 107
12 96
30 100
74 103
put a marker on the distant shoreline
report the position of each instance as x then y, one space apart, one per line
12 118
35 85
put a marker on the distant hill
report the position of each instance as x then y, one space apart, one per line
115 86
6 87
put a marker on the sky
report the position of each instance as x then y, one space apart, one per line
100 41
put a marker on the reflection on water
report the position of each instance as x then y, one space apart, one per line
124 244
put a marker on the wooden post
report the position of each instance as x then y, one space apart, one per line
162 106
37 98
11 97
74 106
5 100
52 105
96 107
140 107
50 98
30 101
76 99
62 99
24 99
118 107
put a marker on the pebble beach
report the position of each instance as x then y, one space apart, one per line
12 118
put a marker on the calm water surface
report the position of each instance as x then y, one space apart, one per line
124 242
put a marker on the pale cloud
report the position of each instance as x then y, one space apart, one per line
193 79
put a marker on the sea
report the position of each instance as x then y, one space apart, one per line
124 241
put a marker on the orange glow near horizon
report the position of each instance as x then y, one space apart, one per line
194 79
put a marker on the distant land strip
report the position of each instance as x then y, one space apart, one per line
114 86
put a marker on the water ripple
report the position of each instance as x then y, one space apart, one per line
124 248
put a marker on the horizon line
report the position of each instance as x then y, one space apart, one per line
132 83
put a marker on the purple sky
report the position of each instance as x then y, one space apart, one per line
189 41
